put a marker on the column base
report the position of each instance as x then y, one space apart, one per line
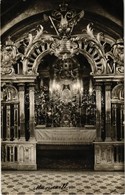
32 139
22 139
107 158
98 139
108 139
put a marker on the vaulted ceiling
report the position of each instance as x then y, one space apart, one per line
22 15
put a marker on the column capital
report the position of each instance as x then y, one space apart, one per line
98 87
107 87
114 105
21 86
107 84
31 84
98 83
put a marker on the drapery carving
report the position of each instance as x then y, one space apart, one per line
104 54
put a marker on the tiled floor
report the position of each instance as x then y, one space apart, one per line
62 182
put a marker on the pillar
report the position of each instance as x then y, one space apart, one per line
117 152
16 121
22 109
2 121
8 117
4 118
98 111
114 120
121 122
31 110
108 111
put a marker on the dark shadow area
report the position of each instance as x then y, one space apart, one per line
65 157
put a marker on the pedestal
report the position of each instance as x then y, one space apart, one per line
109 156
19 155
103 156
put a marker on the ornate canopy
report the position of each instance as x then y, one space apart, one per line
104 54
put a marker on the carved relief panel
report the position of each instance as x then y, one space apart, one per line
104 154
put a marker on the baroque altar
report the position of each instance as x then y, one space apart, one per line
62 87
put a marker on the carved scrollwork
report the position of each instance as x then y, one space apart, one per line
63 20
64 48
9 56
104 154
118 51
105 56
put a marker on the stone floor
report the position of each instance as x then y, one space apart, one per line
62 182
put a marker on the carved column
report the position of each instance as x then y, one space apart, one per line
114 120
117 152
31 110
2 121
8 117
98 111
22 109
108 111
121 121
16 121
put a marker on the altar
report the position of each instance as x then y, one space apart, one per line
65 135
62 88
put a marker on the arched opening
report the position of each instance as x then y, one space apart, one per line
10 113
65 106
64 93
118 112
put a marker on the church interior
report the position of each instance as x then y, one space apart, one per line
62 96
62 85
